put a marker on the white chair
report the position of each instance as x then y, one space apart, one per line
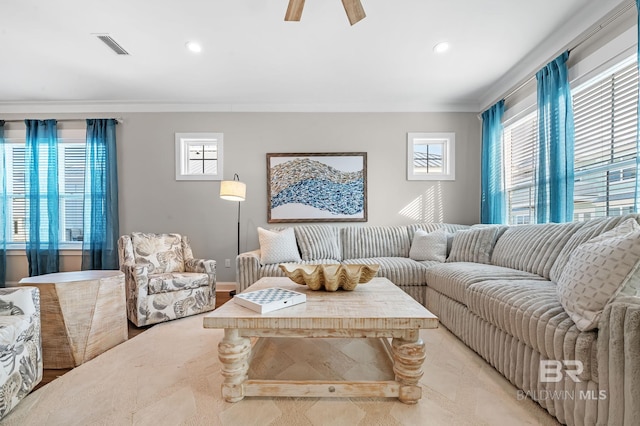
163 280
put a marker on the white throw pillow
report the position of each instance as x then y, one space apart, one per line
429 245
278 247
598 271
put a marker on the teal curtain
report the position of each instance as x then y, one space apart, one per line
555 179
4 220
101 222
41 175
493 204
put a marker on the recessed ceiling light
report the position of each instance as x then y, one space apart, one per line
441 47
194 47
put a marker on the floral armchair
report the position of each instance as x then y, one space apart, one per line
163 280
20 345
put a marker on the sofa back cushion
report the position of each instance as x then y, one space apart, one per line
533 248
374 241
162 252
318 242
475 244
598 270
589 230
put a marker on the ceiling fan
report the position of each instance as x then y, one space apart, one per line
354 10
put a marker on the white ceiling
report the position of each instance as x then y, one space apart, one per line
253 60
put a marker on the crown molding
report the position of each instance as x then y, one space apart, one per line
123 107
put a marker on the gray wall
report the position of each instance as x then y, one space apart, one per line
151 200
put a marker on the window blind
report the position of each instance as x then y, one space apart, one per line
17 189
520 143
605 114
72 192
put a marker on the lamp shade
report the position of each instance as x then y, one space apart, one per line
233 190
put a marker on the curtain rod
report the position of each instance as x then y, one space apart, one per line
119 120
593 32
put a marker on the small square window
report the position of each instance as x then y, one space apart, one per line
198 156
431 156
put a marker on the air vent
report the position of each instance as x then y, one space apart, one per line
113 45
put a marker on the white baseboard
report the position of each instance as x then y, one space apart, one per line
225 287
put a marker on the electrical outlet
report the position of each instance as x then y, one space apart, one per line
227 263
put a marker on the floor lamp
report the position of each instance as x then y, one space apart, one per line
234 190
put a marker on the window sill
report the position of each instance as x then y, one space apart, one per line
66 251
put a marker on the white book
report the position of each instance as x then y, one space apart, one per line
269 299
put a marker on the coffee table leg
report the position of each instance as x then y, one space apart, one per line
408 356
233 352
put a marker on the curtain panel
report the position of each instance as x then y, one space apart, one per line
101 221
554 172
41 175
493 204
4 199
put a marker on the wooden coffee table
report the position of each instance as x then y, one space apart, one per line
376 309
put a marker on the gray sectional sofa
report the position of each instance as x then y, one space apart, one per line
499 292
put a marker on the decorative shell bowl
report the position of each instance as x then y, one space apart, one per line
330 277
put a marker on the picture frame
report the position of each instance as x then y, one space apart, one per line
317 187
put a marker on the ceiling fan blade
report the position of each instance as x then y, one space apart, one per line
294 10
354 9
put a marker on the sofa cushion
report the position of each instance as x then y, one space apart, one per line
401 271
318 242
278 246
533 248
429 245
163 283
597 272
530 311
374 241
587 231
475 244
452 279
161 252
273 270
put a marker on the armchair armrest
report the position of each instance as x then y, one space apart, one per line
619 362
247 269
20 301
136 278
125 252
203 266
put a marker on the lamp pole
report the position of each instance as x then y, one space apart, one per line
238 227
